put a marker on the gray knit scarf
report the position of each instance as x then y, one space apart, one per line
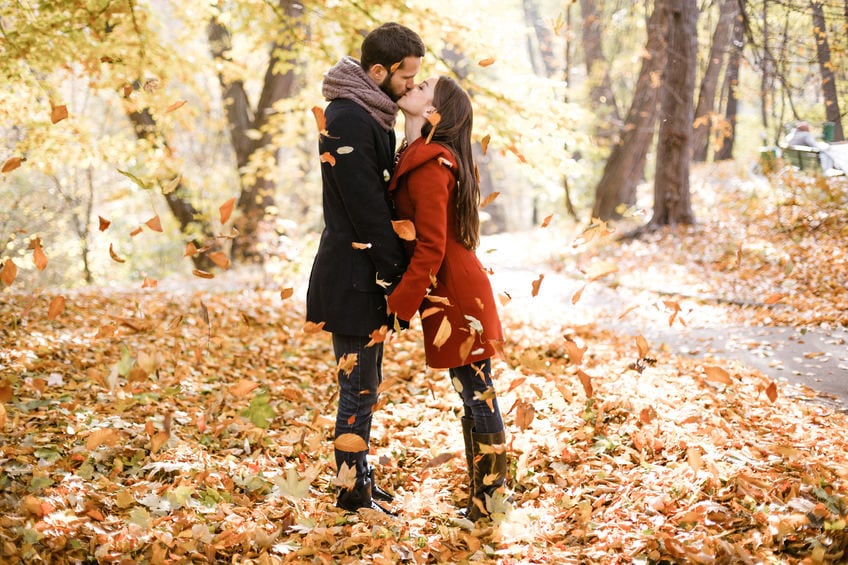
348 80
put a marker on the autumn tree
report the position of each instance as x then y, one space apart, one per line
727 133
601 95
828 77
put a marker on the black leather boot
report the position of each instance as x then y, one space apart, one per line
376 492
359 497
467 430
489 472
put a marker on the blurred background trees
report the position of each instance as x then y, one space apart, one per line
119 112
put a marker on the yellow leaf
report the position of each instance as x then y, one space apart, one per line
489 199
486 62
350 443
286 293
11 164
154 223
114 255
202 274
58 112
226 209
717 375
243 387
443 333
174 106
405 229
220 259
57 306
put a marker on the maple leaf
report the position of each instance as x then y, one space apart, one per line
260 412
348 362
346 477
292 486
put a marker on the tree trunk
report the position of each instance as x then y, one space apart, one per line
828 78
672 202
627 160
544 44
728 13
258 185
597 69
728 135
184 212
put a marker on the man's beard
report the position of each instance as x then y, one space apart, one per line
386 86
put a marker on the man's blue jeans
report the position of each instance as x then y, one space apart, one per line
477 378
357 395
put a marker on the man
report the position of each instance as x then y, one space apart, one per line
360 258
802 136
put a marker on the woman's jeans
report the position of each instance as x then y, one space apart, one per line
357 395
477 378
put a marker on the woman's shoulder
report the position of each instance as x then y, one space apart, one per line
420 153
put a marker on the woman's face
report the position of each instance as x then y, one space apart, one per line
419 100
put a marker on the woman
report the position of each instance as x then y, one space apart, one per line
435 186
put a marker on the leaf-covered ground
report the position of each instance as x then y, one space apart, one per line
193 423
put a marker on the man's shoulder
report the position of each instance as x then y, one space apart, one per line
344 109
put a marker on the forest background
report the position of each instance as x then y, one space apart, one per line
161 204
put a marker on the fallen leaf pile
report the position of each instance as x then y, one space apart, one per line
161 426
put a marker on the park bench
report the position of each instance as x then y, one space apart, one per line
803 158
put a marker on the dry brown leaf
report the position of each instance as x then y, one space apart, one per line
114 255
220 259
190 250
175 106
103 436
360 246
524 415
771 391
158 440
443 333
3 416
243 387
202 274
57 306
717 375
586 381
103 223
8 272
536 284
575 353
434 118
154 223
773 298
405 229
348 362
430 311
136 231
378 336
38 256
484 143
575 298
58 112
149 283
486 62
327 157
287 292
350 443
546 222
489 199
11 164
225 210
312 327
601 269
642 346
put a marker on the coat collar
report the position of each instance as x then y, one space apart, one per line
419 153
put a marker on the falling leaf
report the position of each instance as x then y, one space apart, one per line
114 255
344 150
104 223
524 415
326 157
601 269
287 292
504 298
220 259
443 333
486 62
586 381
489 199
348 362
445 162
771 391
190 250
693 456
378 336
430 311
225 210
38 256
675 309
536 284
158 440
350 443
484 143
578 293
243 387
202 274
170 186
773 298
405 229
58 112
140 183
717 375
465 347
434 118
154 223
575 353
136 231
320 120
57 306
346 477
149 283
642 345
174 106
11 164
546 222
357 245
312 327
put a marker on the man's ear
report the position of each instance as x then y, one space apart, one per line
378 73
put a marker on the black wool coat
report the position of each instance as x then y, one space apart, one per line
357 163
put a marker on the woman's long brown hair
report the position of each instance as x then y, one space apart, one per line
454 132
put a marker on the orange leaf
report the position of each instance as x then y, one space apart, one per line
576 296
103 436
286 293
57 306
405 229
190 250
136 231
320 120
104 223
773 298
430 311
154 223
465 347
524 415
9 272
357 245
586 381
489 199
114 255
504 298
149 283
58 113
771 391
11 164
443 333
312 327
486 62
220 259
642 345
546 221
38 256
243 387
202 274
158 440
348 362
174 106
3 417
575 353
326 157
226 209
434 118
378 335
717 375
484 143
536 284
350 443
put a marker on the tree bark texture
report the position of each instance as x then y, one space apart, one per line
728 12
828 78
672 201
597 69
626 163
728 133
544 44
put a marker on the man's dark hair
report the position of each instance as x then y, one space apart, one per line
389 44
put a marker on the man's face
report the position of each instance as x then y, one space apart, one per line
398 83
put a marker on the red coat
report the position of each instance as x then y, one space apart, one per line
423 190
